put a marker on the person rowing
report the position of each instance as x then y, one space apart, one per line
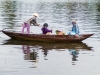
31 20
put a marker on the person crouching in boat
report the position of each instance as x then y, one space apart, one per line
75 29
45 30
58 32
32 20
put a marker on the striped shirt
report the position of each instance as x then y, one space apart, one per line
31 20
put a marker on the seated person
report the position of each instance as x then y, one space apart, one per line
58 32
75 29
45 30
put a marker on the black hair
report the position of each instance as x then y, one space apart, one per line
45 25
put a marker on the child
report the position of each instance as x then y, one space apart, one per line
45 30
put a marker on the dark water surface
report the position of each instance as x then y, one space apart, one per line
38 58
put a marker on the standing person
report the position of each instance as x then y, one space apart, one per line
75 28
45 30
32 20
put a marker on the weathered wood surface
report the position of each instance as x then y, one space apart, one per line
47 38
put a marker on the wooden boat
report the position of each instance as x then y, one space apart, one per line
46 38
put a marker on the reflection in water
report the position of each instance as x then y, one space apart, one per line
45 52
29 54
49 45
30 49
74 54
26 49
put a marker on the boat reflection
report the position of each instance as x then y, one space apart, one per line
29 55
74 54
45 45
45 52
31 49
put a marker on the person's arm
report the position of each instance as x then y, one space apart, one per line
34 22
49 30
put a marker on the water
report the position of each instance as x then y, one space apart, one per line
27 58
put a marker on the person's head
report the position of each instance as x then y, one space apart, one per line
45 25
73 22
36 14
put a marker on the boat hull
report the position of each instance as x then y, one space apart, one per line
47 38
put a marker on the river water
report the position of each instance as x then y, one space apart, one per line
38 58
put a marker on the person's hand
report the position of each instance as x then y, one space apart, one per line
76 35
40 25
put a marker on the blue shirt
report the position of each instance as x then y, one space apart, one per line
75 29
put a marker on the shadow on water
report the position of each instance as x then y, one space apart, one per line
30 49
